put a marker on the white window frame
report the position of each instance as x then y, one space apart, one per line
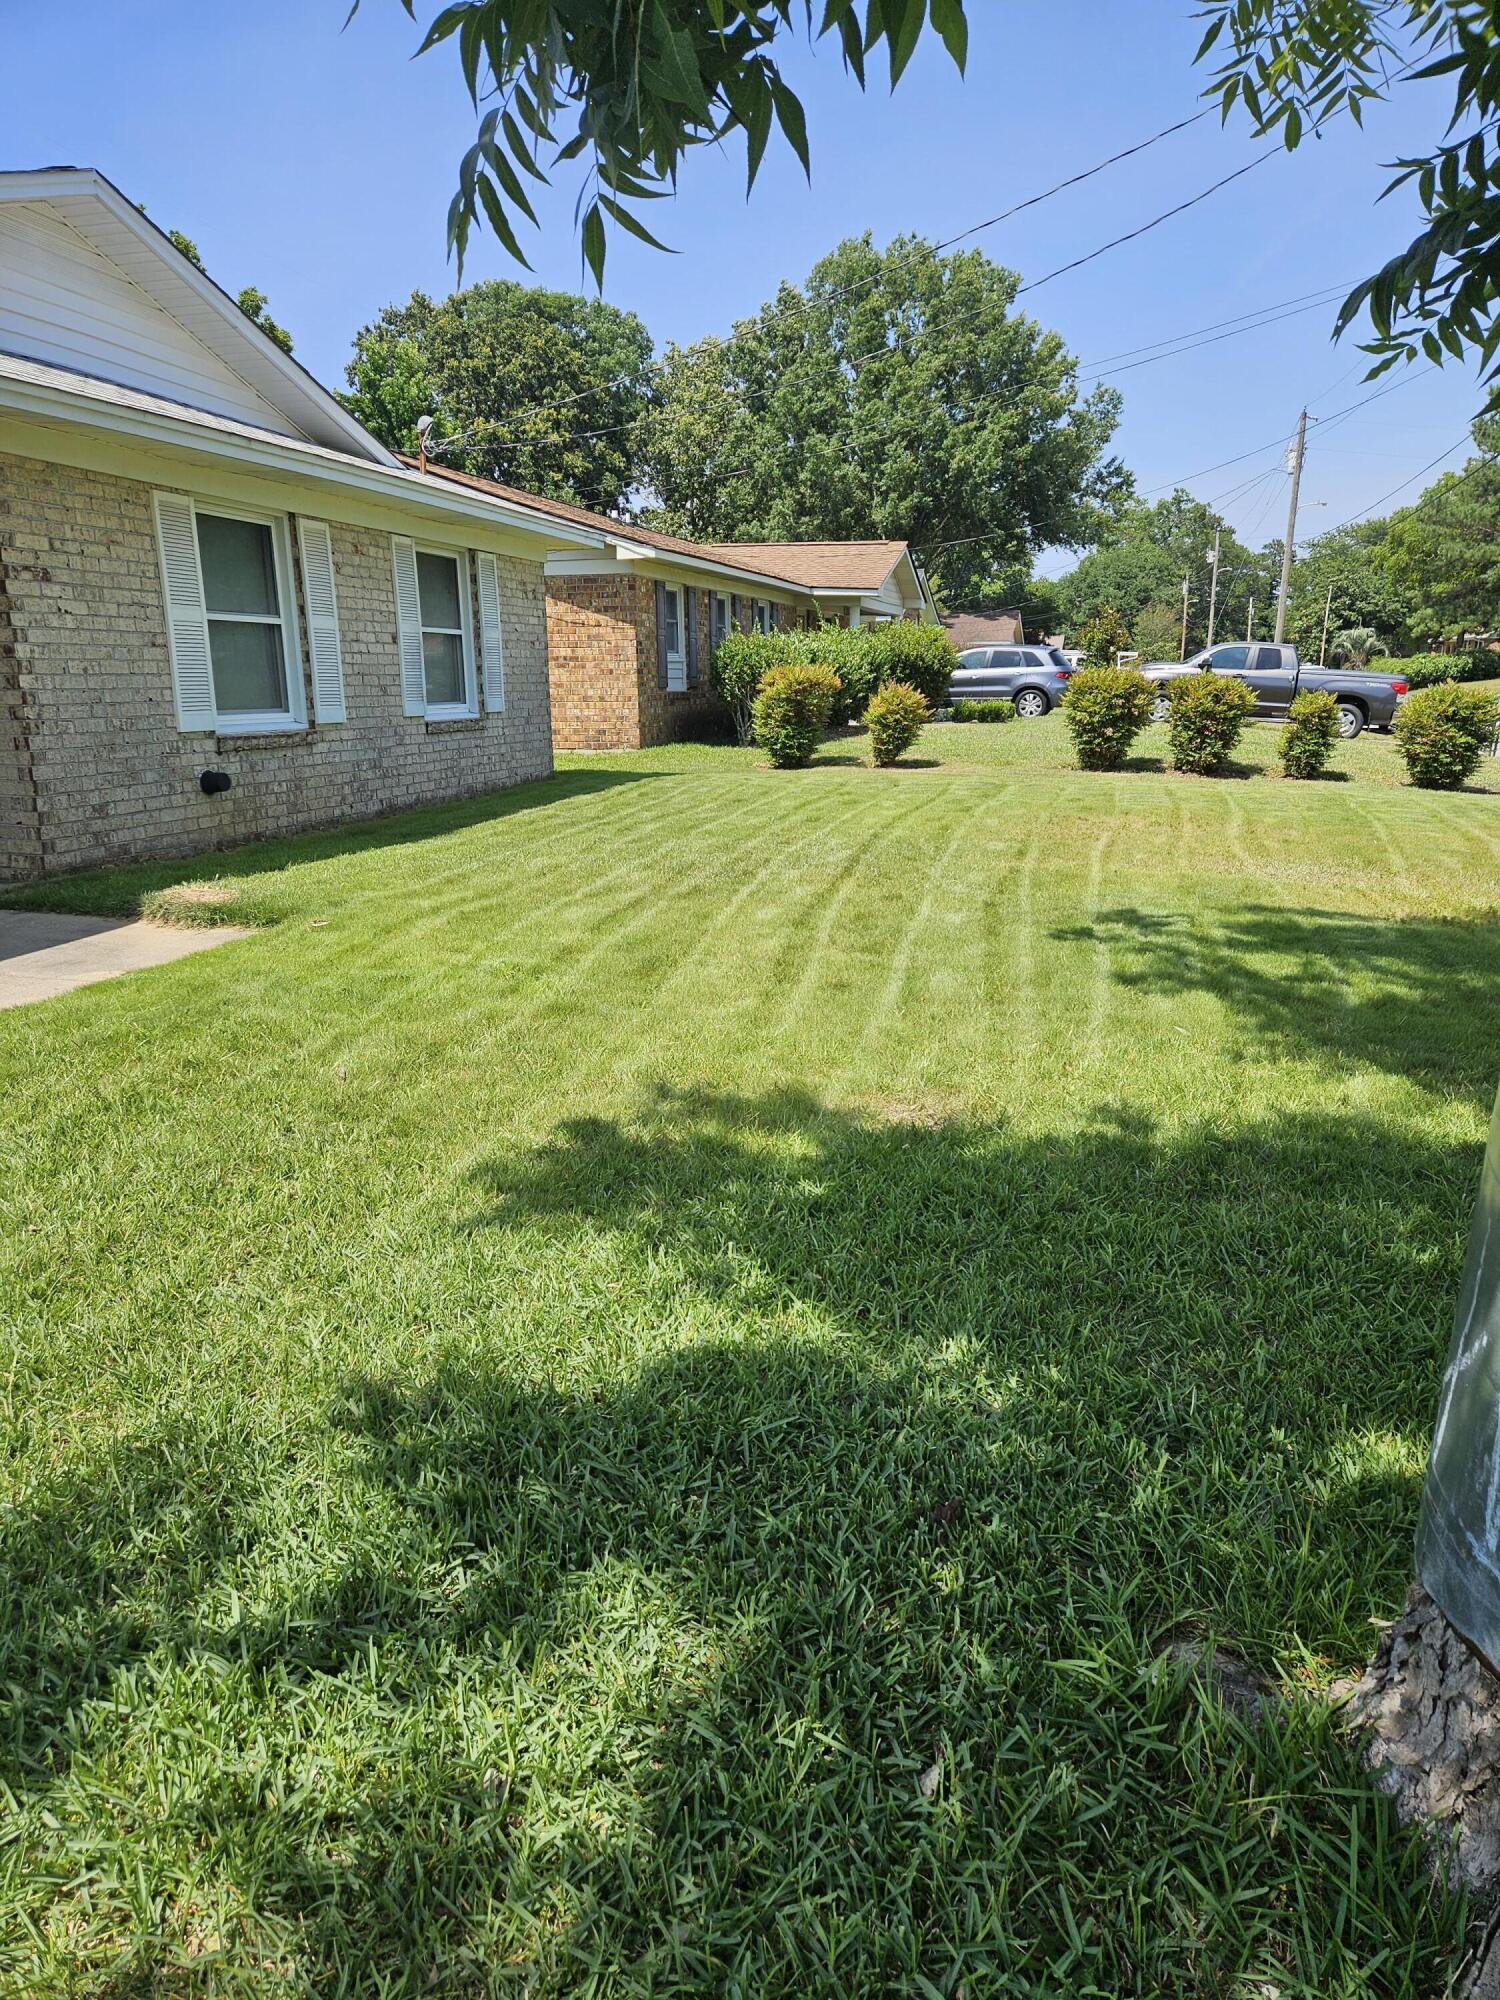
677 662
450 711
267 721
723 617
760 614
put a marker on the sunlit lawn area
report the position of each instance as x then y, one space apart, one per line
621 1401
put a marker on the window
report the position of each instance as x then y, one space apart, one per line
253 656
672 630
720 618
760 615
1229 659
447 651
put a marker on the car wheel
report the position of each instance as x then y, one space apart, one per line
1030 703
1161 708
1351 720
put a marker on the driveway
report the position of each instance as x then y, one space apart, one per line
42 954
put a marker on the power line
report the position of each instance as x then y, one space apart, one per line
1465 439
862 284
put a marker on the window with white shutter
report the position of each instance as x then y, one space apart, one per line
231 622
674 642
320 597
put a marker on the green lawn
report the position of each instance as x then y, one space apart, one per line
620 1401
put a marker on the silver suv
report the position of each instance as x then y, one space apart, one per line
1033 677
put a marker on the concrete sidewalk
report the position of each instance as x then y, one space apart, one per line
42 954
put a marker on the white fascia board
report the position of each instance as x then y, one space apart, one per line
303 462
638 558
76 184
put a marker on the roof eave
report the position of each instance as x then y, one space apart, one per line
37 400
49 183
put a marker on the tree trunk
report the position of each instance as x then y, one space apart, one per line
1428 1708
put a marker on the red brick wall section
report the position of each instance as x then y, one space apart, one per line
591 662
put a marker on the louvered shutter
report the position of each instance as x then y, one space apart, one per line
319 596
661 635
491 640
690 613
187 621
409 626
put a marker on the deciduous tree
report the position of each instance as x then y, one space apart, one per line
541 389
896 394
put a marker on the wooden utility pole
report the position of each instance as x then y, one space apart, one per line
1182 649
1327 607
1294 466
1250 620
1213 588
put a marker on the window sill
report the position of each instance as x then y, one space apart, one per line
454 725
267 737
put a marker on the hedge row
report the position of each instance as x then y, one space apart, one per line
863 660
1422 670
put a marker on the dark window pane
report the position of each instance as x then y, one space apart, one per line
249 669
1230 659
443 657
1006 662
437 584
239 565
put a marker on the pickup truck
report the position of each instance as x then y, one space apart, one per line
1276 676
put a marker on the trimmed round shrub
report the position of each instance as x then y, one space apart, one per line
1312 729
1205 716
964 710
920 655
739 665
894 718
1422 670
1443 733
1106 708
791 711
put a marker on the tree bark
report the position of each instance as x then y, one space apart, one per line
1428 1709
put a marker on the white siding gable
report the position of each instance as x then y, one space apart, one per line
63 301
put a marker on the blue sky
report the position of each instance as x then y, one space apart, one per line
317 163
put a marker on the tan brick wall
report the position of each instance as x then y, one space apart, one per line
592 643
20 829
115 778
601 642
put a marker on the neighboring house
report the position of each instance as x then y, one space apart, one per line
632 626
225 609
983 628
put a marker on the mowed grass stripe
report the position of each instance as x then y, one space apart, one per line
525 1440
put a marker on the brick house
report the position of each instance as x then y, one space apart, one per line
225 609
631 626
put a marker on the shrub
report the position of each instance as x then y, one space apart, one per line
920 655
1205 717
851 657
1422 670
1104 635
1312 729
791 711
983 711
894 718
1106 709
738 667
1443 732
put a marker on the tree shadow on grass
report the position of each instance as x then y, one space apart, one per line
1416 997
794 1634
121 891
